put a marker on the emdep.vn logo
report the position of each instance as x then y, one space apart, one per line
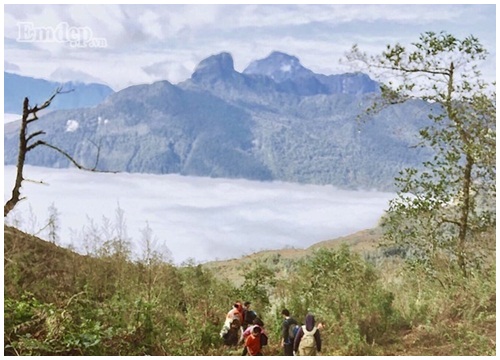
75 36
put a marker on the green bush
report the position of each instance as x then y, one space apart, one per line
343 291
153 308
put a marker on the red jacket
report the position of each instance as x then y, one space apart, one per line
252 343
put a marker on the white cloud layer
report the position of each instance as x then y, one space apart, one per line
199 218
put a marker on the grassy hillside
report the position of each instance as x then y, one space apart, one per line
57 302
363 242
49 265
37 265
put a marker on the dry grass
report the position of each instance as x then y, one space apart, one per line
463 322
365 241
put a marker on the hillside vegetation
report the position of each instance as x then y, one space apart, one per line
428 289
58 302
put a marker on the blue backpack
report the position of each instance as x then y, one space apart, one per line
293 329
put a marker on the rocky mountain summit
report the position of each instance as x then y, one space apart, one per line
276 120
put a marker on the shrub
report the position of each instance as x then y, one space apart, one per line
344 292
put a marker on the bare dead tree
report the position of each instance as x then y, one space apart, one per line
27 143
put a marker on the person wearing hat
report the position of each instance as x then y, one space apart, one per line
308 339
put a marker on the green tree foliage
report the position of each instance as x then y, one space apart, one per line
329 284
57 302
105 303
258 284
442 209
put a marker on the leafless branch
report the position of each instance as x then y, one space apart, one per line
41 182
35 134
70 158
30 115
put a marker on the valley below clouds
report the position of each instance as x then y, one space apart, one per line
196 218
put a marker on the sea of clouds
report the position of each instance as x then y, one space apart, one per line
196 218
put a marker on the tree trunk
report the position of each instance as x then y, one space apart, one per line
23 146
464 218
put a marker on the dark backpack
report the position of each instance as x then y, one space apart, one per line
293 329
250 316
263 339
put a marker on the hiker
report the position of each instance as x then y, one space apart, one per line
253 342
230 333
232 324
263 335
248 315
308 340
235 312
288 332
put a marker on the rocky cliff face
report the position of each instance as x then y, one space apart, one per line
274 121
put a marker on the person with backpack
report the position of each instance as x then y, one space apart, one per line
308 340
263 335
248 315
236 311
230 332
253 343
289 330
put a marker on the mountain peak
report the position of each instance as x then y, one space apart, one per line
283 57
278 66
219 65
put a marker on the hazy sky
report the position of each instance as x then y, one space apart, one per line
121 45
194 217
